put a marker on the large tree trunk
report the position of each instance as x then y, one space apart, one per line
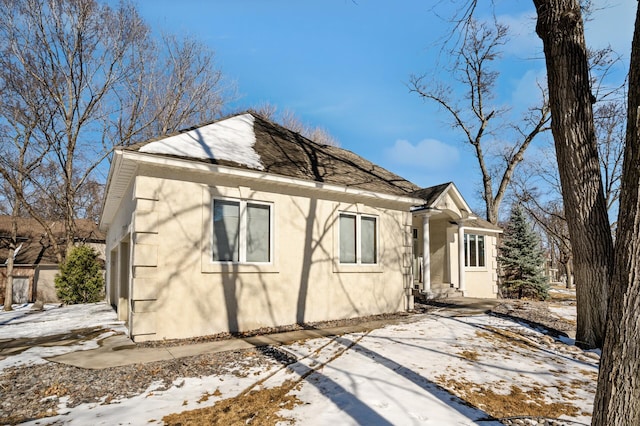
8 290
8 294
561 29
618 395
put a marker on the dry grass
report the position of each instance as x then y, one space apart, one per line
57 389
505 339
469 355
517 402
561 296
258 407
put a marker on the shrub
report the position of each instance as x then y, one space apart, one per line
80 279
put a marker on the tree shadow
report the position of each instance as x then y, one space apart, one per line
350 403
244 286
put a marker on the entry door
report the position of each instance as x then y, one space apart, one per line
20 289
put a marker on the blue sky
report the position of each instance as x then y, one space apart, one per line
344 65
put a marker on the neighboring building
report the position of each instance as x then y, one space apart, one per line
35 263
242 224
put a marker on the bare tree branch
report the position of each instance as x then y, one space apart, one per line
473 112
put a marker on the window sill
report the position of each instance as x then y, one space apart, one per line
476 268
357 268
239 268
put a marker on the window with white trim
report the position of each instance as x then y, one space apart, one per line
474 250
242 231
358 239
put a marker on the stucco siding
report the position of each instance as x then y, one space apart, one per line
186 294
438 249
482 282
45 283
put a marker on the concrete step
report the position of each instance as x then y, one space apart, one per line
438 291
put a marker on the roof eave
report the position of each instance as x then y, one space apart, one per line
121 172
117 182
488 230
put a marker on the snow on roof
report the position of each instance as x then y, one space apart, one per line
231 140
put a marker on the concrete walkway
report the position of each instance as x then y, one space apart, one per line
119 350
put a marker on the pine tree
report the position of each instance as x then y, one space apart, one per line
521 260
80 279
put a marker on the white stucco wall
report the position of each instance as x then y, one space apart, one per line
177 292
482 281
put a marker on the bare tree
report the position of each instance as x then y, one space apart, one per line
476 116
539 191
107 81
21 150
176 84
549 216
17 161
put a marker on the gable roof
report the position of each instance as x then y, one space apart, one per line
435 198
35 247
431 194
251 142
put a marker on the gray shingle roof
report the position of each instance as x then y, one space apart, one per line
35 244
287 153
482 224
431 194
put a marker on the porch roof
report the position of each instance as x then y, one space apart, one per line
481 224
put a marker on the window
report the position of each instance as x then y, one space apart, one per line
358 239
474 250
241 231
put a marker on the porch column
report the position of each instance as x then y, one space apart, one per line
426 254
461 256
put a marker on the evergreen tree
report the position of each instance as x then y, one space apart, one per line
521 260
80 279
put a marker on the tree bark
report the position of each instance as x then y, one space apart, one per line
561 29
618 395
8 290
569 270
13 243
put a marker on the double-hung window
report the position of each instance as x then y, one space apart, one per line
242 231
474 250
358 239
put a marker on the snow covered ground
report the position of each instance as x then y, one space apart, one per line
441 369
563 310
55 320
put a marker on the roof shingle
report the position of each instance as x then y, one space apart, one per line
287 153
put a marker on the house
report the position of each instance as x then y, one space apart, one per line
35 263
242 224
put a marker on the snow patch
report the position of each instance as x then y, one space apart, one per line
563 311
231 140
55 319
391 375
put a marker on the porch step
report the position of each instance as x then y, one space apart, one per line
438 291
